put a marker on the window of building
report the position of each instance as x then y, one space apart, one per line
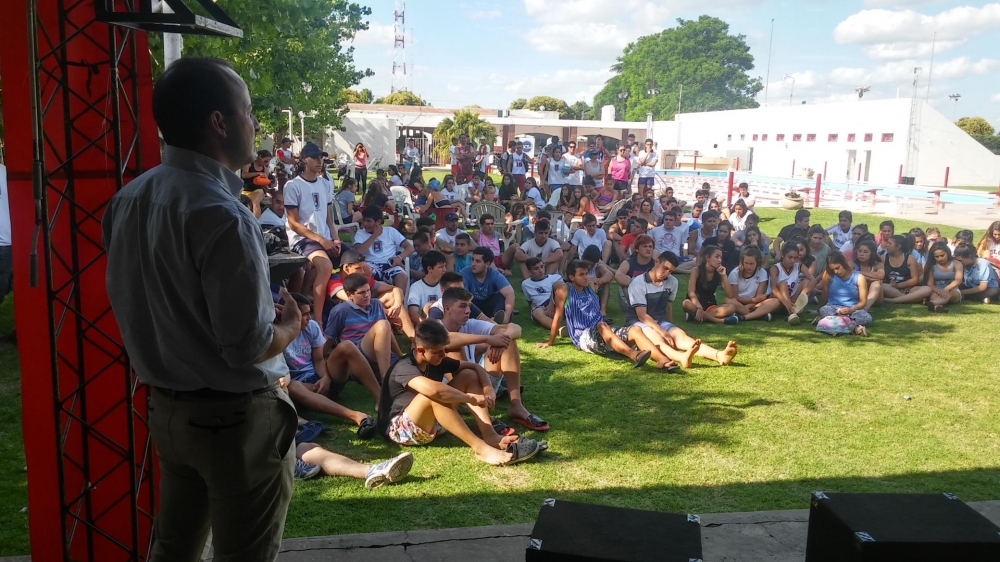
887 137
729 137
796 137
755 137
868 137
763 137
850 137
779 137
743 137
831 137
811 138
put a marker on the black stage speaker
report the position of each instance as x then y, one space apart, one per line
570 531
898 527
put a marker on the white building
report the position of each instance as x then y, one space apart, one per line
858 141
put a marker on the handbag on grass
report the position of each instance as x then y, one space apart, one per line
834 325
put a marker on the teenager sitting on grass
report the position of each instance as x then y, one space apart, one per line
379 246
600 277
488 237
315 381
590 235
843 292
902 274
979 278
362 321
426 291
540 246
919 247
651 296
490 289
989 245
494 344
748 288
435 311
537 290
462 258
332 464
723 240
390 296
944 276
579 304
786 286
816 242
636 265
868 262
701 304
416 402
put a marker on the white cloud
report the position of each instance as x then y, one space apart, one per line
570 85
874 27
910 49
564 38
995 99
485 15
593 30
376 34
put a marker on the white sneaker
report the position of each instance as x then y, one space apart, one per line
986 300
793 319
387 472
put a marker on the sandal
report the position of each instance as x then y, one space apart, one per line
308 432
532 422
522 449
641 359
501 428
367 428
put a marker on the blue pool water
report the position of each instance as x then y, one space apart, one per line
887 191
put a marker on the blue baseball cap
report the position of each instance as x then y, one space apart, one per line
310 150
451 217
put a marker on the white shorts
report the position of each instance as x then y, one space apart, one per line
665 325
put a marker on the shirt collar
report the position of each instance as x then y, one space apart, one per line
201 164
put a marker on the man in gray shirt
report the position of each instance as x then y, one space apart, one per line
187 276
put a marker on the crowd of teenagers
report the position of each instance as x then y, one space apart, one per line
421 313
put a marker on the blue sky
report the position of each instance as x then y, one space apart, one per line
489 53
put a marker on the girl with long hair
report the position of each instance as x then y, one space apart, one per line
943 275
786 286
989 244
843 292
869 264
346 201
701 304
753 238
361 165
748 287
902 273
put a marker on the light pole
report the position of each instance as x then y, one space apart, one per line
955 98
289 112
767 77
623 96
302 125
792 92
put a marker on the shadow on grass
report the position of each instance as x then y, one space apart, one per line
398 514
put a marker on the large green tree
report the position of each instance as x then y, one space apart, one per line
354 96
462 121
976 126
701 55
550 104
403 97
519 103
580 110
291 56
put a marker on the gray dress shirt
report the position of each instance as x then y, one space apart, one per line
187 277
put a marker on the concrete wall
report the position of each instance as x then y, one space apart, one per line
943 144
378 134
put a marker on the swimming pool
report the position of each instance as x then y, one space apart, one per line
887 191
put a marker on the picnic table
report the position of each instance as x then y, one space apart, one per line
872 191
282 266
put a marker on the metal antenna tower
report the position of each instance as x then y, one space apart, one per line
399 78
913 147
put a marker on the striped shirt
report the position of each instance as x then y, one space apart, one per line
583 311
349 322
656 297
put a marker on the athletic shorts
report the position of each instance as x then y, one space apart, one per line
313 378
307 247
403 431
384 272
498 262
622 185
647 181
454 170
543 305
519 180
665 325
592 342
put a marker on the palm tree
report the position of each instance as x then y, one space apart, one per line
463 121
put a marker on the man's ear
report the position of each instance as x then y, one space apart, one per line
218 123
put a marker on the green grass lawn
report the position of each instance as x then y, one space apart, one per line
797 411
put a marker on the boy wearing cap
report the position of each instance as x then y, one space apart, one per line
444 239
307 198
379 246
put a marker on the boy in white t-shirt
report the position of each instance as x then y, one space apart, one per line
541 246
307 201
379 246
590 235
537 290
425 292
646 162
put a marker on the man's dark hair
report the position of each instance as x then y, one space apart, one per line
589 218
965 251
463 236
710 215
431 259
353 282
532 262
302 299
846 215
452 295
726 224
744 184
450 277
670 257
485 253
592 254
431 333
422 237
374 213
575 265
187 93
426 221
486 217
264 154
542 225
543 214
801 214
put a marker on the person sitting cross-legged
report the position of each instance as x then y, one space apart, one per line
472 340
748 287
362 321
490 289
979 279
435 310
314 459
315 381
537 290
416 402
578 303
379 246
651 296
427 291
